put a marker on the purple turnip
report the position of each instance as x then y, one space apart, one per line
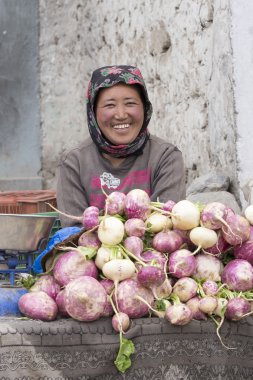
120 322
89 239
213 215
237 229
167 242
38 305
46 283
85 299
135 227
137 204
181 263
236 308
60 301
238 275
134 244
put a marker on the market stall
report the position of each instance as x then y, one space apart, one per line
67 349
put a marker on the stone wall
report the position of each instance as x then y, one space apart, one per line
183 49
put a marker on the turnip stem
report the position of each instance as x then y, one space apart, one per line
146 303
63 213
132 255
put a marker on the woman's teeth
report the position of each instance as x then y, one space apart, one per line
121 126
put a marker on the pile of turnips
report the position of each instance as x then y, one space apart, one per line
178 261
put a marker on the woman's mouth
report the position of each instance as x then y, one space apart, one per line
121 126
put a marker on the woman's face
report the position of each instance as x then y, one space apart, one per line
120 113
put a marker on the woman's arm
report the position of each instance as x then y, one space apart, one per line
71 196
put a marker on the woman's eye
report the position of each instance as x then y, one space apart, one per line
109 105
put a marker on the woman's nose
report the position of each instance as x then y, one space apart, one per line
121 112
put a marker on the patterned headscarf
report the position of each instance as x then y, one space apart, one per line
108 76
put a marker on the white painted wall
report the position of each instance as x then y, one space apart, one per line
184 50
242 39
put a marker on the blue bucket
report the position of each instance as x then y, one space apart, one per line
9 296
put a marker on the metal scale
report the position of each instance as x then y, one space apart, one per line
22 237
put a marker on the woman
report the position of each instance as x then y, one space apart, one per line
120 153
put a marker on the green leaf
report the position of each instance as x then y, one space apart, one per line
123 361
160 305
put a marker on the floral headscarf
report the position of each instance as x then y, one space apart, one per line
108 76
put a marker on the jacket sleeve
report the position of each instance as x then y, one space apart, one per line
169 177
71 195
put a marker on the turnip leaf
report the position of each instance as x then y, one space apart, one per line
123 361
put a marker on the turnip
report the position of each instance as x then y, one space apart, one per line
193 304
208 267
237 229
221 307
85 299
181 263
238 275
109 287
245 250
168 206
208 304
210 288
118 270
134 244
111 230
157 222
167 242
203 238
185 215
213 215
135 227
220 247
47 284
237 308
155 258
120 322
151 277
38 305
107 253
89 239
127 301
185 288
60 301
249 214
74 264
178 314
164 290
89 219
137 204
115 203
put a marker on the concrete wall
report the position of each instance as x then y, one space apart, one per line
20 154
183 48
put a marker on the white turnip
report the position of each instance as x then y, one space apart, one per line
111 230
203 238
185 215
208 267
178 314
185 288
213 215
157 222
249 214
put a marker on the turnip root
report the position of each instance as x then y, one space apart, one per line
249 214
178 314
193 304
203 238
115 203
137 204
127 301
245 250
111 230
237 229
47 284
60 301
89 239
210 288
157 222
208 267
238 275
208 304
181 263
135 227
105 254
236 308
134 244
38 305
167 242
85 299
73 264
213 215
120 322
164 290
185 288
154 257
185 215
151 277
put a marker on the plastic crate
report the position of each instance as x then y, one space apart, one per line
27 201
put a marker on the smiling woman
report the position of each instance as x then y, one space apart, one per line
120 154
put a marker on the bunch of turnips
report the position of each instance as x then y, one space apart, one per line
178 261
